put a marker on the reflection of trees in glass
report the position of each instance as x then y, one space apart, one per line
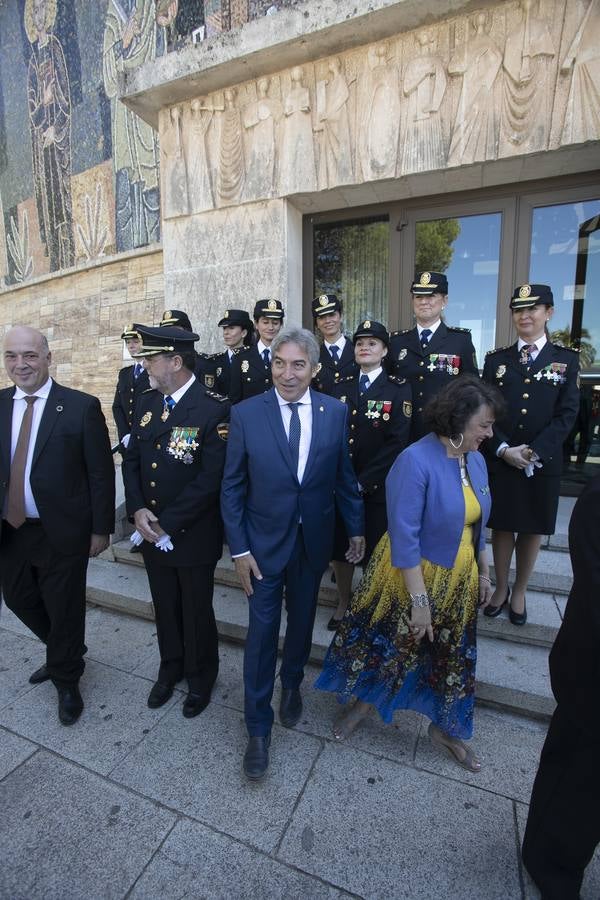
587 351
351 259
434 242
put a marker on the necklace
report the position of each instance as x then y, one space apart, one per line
463 469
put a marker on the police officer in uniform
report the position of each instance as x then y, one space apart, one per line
538 380
432 353
131 382
238 331
172 472
379 412
336 359
205 366
251 368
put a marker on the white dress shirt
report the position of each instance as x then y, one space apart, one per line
260 347
305 414
433 328
181 391
340 344
371 375
539 343
19 407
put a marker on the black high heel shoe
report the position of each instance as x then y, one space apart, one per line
492 611
518 618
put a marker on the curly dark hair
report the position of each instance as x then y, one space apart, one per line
448 412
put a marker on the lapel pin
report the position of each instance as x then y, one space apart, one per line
59 409
321 409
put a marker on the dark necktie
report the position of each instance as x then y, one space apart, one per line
15 506
363 383
294 437
335 353
137 370
266 355
425 335
526 351
168 405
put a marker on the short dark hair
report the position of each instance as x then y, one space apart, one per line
448 412
188 358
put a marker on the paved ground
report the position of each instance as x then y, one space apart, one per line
137 803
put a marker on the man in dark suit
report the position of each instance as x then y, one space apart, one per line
57 487
287 467
563 827
238 331
172 473
431 354
336 359
131 382
251 368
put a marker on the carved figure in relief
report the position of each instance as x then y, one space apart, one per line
582 116
49 100
231 170
378 115
174 170
200 189
260 121
297 158
527 92
130 39
424 86
478 60
333 125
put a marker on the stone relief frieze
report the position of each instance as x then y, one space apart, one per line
513 79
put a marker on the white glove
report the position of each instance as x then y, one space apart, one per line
533 465
136 539
164 543
125 440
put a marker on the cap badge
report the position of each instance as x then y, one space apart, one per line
167 314
226 314
272 304
366 324
425 278
525 291
323 300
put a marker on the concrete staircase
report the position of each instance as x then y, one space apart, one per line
512 667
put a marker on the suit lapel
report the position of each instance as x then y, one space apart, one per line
543 358
256 360
52 411
318 413
6 408
276 423
179 413
414 344
437 339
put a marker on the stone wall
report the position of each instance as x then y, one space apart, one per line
83 313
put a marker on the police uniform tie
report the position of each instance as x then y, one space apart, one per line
168 405
526 354
363 383
335 353
294 435
266 355
425 335
15 506
137 370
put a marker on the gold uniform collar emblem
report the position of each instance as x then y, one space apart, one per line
145 420
425 278
525 291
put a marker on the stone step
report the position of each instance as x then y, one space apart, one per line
543 614
510 675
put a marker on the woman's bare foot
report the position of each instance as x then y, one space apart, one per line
345 725
462 754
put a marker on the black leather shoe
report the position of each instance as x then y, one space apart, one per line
290 707
517 618
195 703
39 675
70 704
256 757
159 694
492 611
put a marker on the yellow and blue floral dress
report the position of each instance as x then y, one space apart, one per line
375 658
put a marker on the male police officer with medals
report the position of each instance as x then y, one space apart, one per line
131 382
432 353
205 365
237 334
336 359
172 472
251 368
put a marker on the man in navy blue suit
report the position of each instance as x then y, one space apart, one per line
287 466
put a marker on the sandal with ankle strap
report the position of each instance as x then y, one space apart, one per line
469 761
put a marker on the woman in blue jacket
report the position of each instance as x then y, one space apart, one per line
408 639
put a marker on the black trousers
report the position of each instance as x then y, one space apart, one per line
563 826
46 590
185 622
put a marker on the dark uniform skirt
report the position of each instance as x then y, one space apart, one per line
522 504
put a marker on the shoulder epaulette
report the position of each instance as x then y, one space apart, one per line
395 380
404 331
346 378
498 349
208 355
215 395
148 390
456 328
564 347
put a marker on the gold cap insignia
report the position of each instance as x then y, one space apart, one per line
245 365
323 300
226 314
425 278
223 430
145 419
167 314
525 291
366 324
272 304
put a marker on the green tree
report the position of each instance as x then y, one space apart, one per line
587 351
434 242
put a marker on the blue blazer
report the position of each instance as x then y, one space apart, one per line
262 500
425 503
